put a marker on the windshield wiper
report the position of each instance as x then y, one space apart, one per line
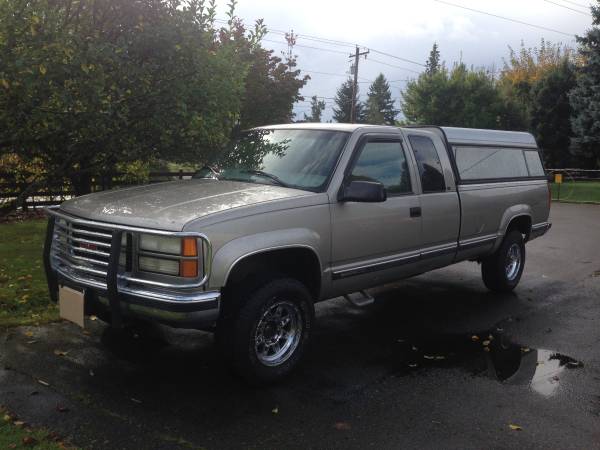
270 176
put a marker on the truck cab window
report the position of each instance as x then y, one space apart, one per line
384 162
428 161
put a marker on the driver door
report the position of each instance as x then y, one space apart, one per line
373 243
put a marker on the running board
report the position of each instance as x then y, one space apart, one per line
359 299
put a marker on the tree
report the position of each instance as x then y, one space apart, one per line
271 89
316 110
433 62
551 113
380 105
343 99
585 97
457 97
86 84
524 68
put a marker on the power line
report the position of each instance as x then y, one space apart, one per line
505 18
392 65
333 74
307 46
577 4
568 7
334 42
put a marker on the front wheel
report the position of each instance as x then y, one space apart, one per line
270 331
502 271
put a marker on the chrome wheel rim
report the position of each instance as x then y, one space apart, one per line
513 262
278 333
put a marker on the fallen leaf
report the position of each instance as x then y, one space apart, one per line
490 337
342 426
60 353
29 333
93 318
474 338
43 383
12 445
275 410
18 423
412 365
428 357
31 342
486 343
515 427
6 418
486 349
28 441
525 349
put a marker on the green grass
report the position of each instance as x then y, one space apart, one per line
17 435
24 296
577 191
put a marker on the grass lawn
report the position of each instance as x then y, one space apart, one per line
578 191
17 435
24 296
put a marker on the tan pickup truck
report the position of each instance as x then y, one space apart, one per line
290 215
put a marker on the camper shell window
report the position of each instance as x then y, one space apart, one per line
478 163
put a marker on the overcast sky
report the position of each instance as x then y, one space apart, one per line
407 29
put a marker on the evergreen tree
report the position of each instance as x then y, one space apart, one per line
343 99
316 110
433 62
380 105
585 97
551 111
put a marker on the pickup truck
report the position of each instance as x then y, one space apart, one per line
289 215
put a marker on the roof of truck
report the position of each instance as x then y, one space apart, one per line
455 136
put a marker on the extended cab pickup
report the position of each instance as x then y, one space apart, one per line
289 215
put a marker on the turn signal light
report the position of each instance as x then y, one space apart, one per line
188 268
189 246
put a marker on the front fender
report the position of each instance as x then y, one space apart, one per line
234 251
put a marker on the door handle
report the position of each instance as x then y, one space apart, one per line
415 211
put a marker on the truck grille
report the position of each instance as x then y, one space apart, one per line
81 250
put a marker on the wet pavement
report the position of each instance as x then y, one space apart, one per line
436 362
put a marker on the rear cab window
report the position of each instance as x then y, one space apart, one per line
428 162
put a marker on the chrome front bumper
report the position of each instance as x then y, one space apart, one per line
115 296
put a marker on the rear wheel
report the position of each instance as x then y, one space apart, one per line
266 337
502 271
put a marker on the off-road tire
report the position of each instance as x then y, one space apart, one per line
494 268
237 332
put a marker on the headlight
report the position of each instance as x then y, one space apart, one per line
159 265
160 244
185 250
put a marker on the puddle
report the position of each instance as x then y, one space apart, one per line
489 353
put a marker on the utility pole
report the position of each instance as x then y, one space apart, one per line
356 56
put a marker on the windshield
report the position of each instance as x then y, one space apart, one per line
302 159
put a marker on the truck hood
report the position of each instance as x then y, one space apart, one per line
170 205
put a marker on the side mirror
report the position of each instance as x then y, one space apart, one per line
363 191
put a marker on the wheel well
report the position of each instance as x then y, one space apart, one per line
301 264
522 224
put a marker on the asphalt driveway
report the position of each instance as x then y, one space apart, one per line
436 362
